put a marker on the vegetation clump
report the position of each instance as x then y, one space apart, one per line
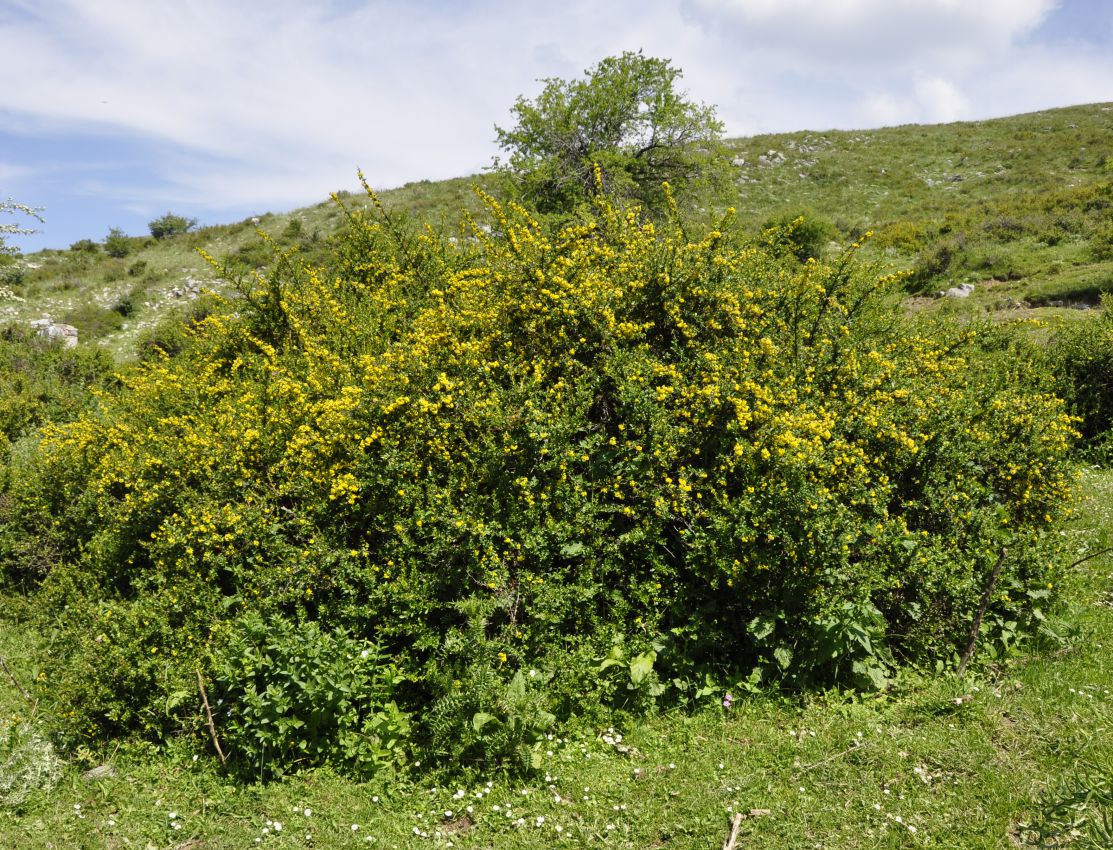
117 243
539 472
171 225
1080 357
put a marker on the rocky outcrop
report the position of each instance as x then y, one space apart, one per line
48 328
963 290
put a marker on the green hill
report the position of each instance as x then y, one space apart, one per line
1017 206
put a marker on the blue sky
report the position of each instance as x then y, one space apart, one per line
116 111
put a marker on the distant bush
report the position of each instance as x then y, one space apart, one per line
171 225
639 458
801 234
117 243
93 321
293 229
907 236
87 246
626 123
934 261
125 306
1101 243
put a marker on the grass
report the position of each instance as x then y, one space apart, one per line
980 762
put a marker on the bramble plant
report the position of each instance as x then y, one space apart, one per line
615 429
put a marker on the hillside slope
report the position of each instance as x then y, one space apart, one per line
1019 207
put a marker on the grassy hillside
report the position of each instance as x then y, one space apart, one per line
563 540
872 178
1018 206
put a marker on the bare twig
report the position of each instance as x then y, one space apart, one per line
839 755
1090 557
732 839
736 823
209 715
986 596
15 681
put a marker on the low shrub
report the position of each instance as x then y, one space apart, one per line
1081 359
117 243
616 434
1101 243
935 261
905 236
93 321
293 695
800 234
171 225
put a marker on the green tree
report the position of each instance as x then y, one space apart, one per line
627 117
171 225
116 243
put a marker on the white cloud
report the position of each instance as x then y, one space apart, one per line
242 104
941 100
300 92
863 33
886 110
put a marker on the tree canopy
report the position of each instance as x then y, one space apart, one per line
626 116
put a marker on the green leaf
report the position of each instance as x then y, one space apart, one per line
572 550
783 655
641 666
762 626
874 672
516 690
481 719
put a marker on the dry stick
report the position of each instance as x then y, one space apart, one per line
15 681
969 653
1090 557
846 752
732 839
209 714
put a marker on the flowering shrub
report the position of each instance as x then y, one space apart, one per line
40 381
614 432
